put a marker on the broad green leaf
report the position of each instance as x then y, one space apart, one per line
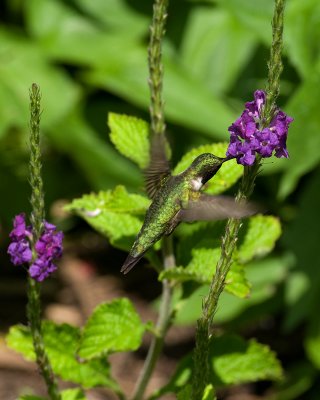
215 47
114 213
202 268
59 93
264 276
19 339
235 361
31 397
302 237
303 136
117 15
130 135
256 16
102 165
303 26
189 101
112 327
262 233
61 343
232 360
228 174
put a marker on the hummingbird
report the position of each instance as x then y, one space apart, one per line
178 198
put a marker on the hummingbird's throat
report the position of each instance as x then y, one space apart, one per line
197 183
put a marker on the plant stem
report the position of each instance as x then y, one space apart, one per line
204 324
158 126
37 217
157 31
162 325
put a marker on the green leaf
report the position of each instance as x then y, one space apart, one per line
117 15
228 174
130 135
112 327
262 233
114 213
264 275
31 397
303 26
234 361
61 343
304 154
216 47
103 166
19 339
60 94
202 268
102 50
256 16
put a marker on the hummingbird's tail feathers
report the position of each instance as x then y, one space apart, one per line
129 263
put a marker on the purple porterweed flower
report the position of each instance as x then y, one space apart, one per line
41 269
19 249
49 244
20 252
47 248
248 138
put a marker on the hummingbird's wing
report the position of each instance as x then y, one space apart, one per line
159 166
209 208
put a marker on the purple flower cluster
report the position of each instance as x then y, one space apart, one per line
19 248
248 139
47 248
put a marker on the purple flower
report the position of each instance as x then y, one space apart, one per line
247 138
49 244
19 249
41 269
47 248
20 252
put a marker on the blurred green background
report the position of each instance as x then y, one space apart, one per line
90 58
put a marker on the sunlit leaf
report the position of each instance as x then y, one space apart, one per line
235 361
304 154
59 93
112 327
215 46
130 136
61 343
114 213
202 268
262 233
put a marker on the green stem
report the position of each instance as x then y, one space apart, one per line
157 31
204 324
162 325
37 218
158 126
275 65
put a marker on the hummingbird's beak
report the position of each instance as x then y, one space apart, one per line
227 158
